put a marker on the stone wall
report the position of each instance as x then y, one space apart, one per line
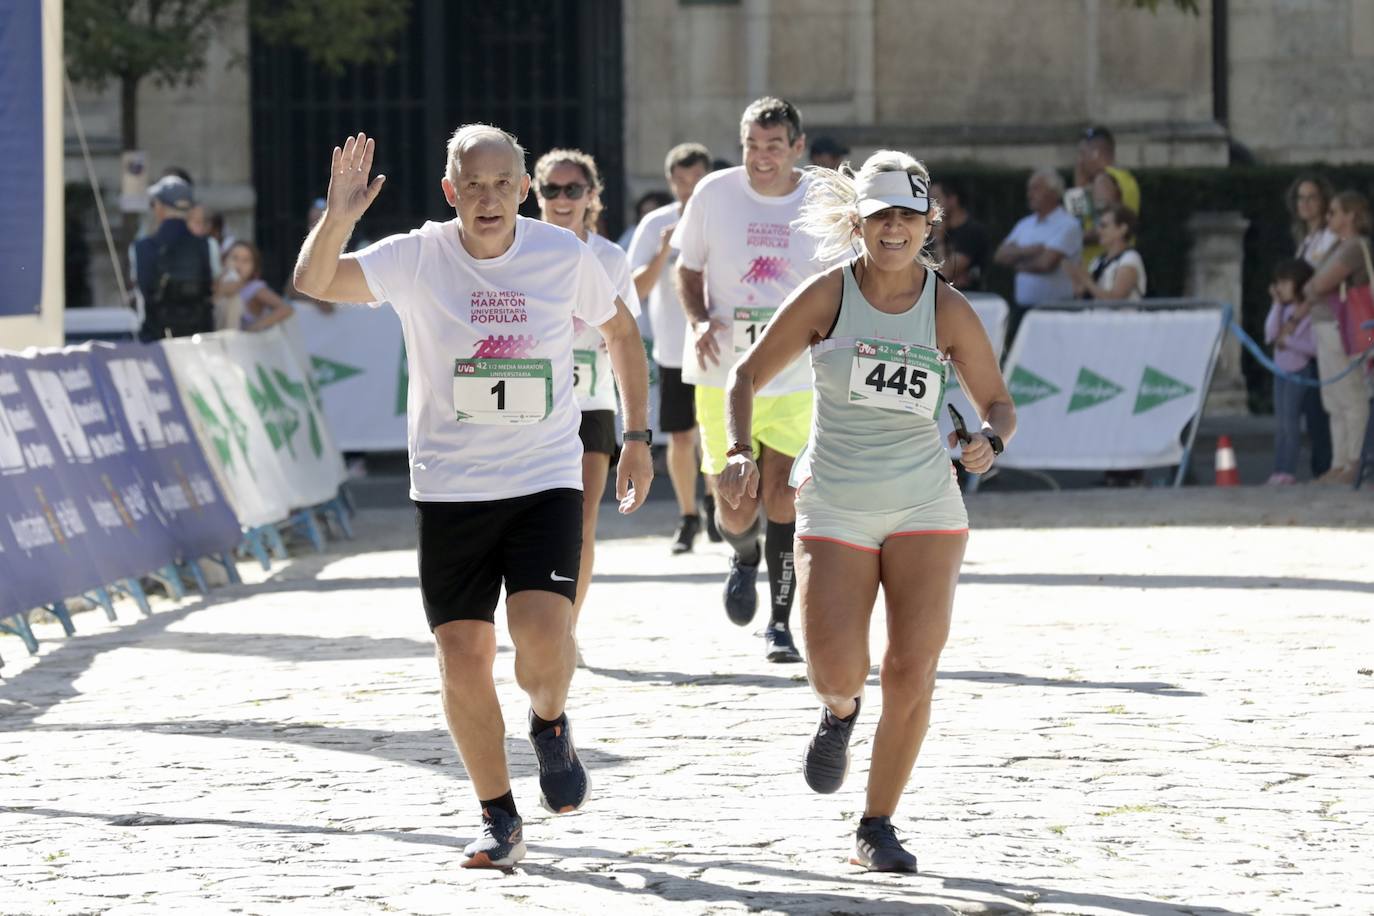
1302 79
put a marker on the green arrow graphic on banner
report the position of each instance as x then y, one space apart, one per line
219 433
299 392
1092 389
328 371
1157 388
1027 387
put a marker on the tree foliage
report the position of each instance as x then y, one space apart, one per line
334 33
1187 6
132 39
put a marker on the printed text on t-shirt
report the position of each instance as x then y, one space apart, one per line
768 235
498 307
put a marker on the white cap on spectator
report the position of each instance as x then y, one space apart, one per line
881 190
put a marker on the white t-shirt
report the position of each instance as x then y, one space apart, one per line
1109 266
753 259
665 311
593 382
1057 230
506 320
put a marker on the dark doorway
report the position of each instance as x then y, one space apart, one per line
549 71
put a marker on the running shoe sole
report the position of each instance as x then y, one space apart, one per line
482 860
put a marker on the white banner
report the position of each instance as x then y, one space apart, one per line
358 359
993 311
231 434
1108 388
359 365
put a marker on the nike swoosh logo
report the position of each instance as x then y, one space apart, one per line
557 578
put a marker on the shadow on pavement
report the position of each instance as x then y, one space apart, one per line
682 679
425 748
1158 688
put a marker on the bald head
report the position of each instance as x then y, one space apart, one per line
472 137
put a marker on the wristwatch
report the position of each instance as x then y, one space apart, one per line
639 435
995 441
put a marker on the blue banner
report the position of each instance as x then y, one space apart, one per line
47 528
138 389
21 152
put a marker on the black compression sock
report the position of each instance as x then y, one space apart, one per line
538 725
746 545
506 803
782 576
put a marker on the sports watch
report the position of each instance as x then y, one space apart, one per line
995 441
640 435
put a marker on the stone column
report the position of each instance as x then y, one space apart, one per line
1214 272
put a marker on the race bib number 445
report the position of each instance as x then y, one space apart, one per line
502 392
896 376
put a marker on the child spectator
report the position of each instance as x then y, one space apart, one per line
1295 352
243 300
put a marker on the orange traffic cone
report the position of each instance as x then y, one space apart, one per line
1227 475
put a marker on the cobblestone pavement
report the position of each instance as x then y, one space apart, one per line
1151 703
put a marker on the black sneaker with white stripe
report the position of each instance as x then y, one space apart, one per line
502 843
877 848
827 756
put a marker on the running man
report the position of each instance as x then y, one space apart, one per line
568 187
877 501
651 259
739 258
486 302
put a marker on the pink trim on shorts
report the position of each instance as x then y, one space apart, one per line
907 534
816 537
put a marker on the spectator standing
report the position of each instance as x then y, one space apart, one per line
172 267
1097 154
252 304
1348 265
963 244
653 262
1308 199
828 153
1294 352
1119 272
1039 247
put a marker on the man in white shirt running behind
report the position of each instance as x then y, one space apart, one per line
739 259
486 302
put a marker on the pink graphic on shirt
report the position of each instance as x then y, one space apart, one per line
764 268
505 346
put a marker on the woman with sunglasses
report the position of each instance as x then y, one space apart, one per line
877 503
568 186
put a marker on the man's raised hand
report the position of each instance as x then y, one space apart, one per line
350 194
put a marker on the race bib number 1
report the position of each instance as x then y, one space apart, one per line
502 392
584 373
749 325
895 376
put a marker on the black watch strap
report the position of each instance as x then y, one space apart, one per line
995 441
639 435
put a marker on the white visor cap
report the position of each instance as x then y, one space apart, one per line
893 189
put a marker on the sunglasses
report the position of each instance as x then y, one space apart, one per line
571 191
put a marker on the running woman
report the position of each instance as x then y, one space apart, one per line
877 501
487 302
652 259
739 258
568 188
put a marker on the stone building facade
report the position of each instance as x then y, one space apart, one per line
985 81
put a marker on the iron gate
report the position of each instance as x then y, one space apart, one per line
549 71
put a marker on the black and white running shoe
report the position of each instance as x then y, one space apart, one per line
501 844
778 645
827 756
877 848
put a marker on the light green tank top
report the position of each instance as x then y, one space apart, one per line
879 386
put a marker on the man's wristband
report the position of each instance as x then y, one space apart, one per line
640 435
740 448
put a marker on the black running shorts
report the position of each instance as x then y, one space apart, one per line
598 431
677 406
467 550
